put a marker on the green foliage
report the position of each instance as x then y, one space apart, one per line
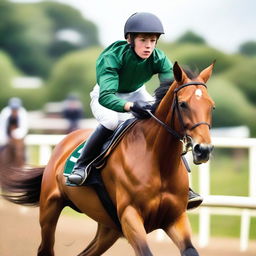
7 72
243 76
29 33
248 48
33 99
190 37
232 107
197 57
65 18
27 37
74 73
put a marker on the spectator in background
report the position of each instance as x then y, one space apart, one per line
72 111
13 121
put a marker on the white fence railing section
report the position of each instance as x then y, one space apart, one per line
244 206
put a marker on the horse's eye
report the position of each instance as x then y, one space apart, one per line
183 104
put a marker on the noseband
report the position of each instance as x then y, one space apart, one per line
184 138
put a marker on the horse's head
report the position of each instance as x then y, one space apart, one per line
192 111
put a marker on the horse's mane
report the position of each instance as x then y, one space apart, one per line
160 92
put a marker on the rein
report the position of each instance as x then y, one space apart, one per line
185 139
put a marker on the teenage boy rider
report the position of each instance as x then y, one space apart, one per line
122 69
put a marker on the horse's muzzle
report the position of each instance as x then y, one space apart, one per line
201 153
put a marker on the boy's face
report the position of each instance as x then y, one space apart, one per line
145 45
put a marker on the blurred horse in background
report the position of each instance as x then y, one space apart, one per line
144 175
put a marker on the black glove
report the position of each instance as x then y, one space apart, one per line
140 110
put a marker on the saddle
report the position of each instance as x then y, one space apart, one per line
106 149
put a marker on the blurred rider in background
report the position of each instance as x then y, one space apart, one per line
72 111
13 121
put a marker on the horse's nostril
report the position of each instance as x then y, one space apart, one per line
197 149
202 150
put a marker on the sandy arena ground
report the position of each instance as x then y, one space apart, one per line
20 236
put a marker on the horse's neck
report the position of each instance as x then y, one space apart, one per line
164 110
167 148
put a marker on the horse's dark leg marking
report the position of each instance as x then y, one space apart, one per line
180 233
134 231
103 240
50 211
190 252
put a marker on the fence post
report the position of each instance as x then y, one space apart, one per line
44 154
245 230
204 213
252 170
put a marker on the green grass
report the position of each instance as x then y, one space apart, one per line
70 212
33 155
229 176
223 226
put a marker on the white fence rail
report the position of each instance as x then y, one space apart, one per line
217 205
233 205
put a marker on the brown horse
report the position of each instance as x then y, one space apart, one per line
144 175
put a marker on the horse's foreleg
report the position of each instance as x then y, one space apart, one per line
134 231
104 239
50 210
180 233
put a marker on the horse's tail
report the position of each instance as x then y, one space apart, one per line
22 185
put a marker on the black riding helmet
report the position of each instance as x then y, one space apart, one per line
143 22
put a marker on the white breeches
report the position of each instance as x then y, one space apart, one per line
109 118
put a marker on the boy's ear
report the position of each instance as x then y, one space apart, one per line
128 39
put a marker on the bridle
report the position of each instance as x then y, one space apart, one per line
184 138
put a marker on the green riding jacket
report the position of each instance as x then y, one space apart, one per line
119 69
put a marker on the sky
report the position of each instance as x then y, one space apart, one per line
224 24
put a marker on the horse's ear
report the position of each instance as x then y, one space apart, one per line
206 73
179 74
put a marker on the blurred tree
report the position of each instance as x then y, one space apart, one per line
190 37
248 48
25 34
71 30
74 73
197 56
232 107
8 71
242 75
32 34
